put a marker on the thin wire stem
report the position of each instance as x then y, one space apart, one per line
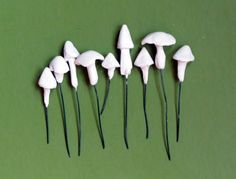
106 96
78 121
126 114
99 119
178 112
166 116
64 120
46 122
144 109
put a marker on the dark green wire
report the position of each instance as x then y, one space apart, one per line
144 109
166 116
99 119
78 121
106 96
64 120
178 112
46 121
126 113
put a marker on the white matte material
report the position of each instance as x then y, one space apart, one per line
160 58
145 71
110 63
181 70
125 40
125 62
46 94
73 74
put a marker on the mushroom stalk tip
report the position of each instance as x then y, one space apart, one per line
59 77
93 75
46 97
73 74
125 62
145 74
181 70
160 58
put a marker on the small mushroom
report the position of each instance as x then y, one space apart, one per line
125 43
144 61
88 60
59 66
47 82
182 56
110 63
70 54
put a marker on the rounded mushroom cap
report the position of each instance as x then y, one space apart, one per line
110 62
159 39
59 65
143 59
88 58
70 51
47 79
125 40
184 54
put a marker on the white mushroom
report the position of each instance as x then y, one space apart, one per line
110 63
183 56
47 82
70 54
144 61
88 59
125 43
59 66
159 39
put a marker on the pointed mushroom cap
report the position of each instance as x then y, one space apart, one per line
159 38
184 54
143 59
70 51
125 40
110 62
47 79
59 65
88 58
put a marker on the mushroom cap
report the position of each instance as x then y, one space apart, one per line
143 59
110 62
184 54
59 65
88 58
47 79
159 39
125 40
70 51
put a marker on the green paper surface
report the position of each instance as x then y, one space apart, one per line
33 32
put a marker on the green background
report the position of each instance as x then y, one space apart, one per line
33 32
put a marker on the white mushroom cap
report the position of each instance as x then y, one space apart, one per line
159 39
70 51
47 80
143 59
88 58
110 62
125 40
184 54
58 65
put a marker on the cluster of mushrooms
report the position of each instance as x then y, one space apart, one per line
52 77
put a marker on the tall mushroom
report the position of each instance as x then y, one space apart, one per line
182 56
47 82
161 39
125 43
110 63
59 66
70 54
144 61
88 60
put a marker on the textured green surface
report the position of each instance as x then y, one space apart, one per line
32 32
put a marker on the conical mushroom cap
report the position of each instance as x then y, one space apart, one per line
159 39
184 54
59 65
88 58
125 40
110 62
70 51
143 59
47 79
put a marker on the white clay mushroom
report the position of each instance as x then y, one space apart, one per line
110 63
183 56
159 39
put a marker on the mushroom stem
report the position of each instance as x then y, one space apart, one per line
178 112
111 73
92 73
181 70
78 121
126 113
73 76
64 119
145 74
166 116
125 62
106 96
59 77
46 122
99 119
144 109
46 94
160 59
